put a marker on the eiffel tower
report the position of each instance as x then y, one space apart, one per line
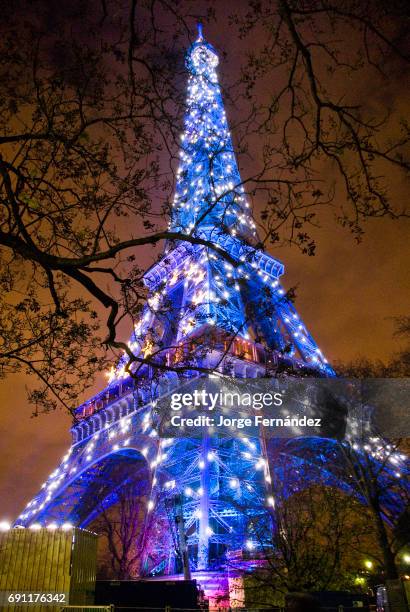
203 314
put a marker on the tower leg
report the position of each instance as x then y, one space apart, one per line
204 532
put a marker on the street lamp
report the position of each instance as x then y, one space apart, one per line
368 564
4 525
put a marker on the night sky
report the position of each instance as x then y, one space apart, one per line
346 295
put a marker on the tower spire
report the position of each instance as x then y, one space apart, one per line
209 192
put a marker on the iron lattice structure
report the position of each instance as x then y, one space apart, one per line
202 313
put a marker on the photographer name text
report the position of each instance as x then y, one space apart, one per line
256 420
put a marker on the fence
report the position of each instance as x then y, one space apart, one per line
172 609
113 608
36 564
88 608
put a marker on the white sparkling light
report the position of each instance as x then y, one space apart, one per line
4 526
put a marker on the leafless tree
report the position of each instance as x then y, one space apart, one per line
319 538
379 468
398 366
379 476
88 108
321 77
123 523
91 101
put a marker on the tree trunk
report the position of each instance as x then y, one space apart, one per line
388 555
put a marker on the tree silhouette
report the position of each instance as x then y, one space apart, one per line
91 100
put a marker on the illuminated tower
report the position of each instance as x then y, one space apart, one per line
205 312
